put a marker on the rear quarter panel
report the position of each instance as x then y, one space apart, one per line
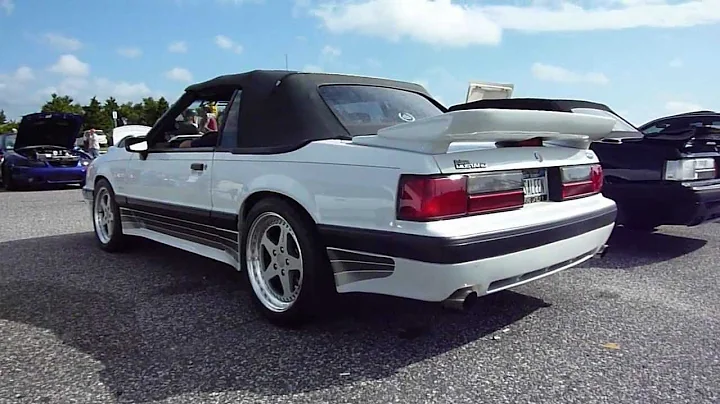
336 182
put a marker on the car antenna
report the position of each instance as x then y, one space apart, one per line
286 62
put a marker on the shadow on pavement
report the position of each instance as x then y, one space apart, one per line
164 322
629 248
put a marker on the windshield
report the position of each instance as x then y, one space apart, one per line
620 124
366 109
10 142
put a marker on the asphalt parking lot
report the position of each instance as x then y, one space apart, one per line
159 325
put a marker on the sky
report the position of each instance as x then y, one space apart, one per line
643 58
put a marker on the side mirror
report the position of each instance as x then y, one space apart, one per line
136 145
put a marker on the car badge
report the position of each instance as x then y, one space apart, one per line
467 165
406 117
538 157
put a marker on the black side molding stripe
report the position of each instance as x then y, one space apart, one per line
159 224
135 223
457 250
221 220
142 215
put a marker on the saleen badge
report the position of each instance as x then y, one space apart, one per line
467 165
538 157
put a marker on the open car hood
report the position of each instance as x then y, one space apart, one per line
48 129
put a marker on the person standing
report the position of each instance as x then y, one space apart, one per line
93 144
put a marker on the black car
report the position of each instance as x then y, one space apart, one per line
666 177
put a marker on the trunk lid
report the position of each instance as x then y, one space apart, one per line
48 129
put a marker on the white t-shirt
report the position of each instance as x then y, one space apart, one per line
92 140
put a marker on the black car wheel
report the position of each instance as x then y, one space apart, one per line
7 180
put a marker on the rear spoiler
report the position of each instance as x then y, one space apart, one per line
435 134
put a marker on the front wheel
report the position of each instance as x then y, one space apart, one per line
7 180
106 218
285 263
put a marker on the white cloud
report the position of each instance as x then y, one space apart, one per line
558 74
21 75
178 47
130 53
676 63
70 65
331 51
678 107
312 69
179 74
8 6
62 43
446 22
435 22
226 43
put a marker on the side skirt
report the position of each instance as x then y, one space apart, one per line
208 241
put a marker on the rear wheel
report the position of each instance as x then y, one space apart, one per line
285 263
106 218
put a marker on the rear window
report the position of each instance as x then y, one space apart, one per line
364 110
620 124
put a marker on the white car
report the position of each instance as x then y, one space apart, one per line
323 183
101 137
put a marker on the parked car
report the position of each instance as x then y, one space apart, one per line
681 122
43 152
666 176
323 183
101 137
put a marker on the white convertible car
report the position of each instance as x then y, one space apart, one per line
321 183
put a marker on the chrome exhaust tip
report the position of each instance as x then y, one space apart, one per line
461 300
601 251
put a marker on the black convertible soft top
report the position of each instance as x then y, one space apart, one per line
283 109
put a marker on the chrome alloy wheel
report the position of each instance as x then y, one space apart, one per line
274 262
103 216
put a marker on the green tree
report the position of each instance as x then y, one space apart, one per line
95 117
3 118
63 104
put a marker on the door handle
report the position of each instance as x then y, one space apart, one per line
197 166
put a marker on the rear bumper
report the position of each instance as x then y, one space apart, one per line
433 268
48 175
666 203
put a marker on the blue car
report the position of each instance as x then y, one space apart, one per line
42 152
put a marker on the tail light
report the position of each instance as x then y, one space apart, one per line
580 181
690 169
423 198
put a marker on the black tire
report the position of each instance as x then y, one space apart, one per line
7 181
117 239
318 285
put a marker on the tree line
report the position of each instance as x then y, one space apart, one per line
98 115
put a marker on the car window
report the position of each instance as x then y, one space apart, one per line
620 124
229 135
678 124
365 109
10 142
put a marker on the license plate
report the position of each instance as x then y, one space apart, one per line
535 185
